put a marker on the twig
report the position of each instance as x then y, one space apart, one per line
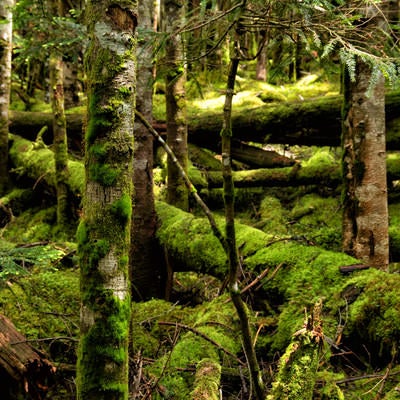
205 337
72 339
255 281
186 179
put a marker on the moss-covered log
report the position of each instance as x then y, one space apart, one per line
315 122
207 380
298 365
28 124
36 161
191 243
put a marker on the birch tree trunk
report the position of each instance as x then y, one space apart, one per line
146 260
104 231
365 216
177 193
5 85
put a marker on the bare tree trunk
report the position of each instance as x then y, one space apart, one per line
365 216
5 86
261 68
231 247
146 260
104 232
56 65
177 194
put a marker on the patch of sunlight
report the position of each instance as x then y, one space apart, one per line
245 98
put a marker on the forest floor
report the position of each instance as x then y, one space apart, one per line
301 231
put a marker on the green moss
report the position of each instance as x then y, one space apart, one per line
82 233
329 389
98 122
207 380
122 208
374 316
105 340
39 302
104 174
33 225
190 348
297 370
99 150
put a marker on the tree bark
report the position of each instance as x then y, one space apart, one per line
365 215
177 134
5 86
56 66
230 233
22 368
104 231
145 258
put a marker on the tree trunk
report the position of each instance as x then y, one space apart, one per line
56 66
230 233
365 216
145 258
5 86
104 231
174 14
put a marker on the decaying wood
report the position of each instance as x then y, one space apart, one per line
20 363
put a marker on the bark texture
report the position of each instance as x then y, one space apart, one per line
56 66
5 85
365 216
177 133
145 258
104 231
22 368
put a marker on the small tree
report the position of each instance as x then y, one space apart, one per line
174 13
145 257
365 214
56 66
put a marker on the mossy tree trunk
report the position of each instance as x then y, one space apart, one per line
5 86
146 260
365 215
174 14
104 231
56 66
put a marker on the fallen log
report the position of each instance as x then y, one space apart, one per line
314 122
193 247
36 161
322 174
22 368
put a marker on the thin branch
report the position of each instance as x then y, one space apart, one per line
188 183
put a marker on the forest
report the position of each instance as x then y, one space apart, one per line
199 199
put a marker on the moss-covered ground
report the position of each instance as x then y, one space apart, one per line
299 241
